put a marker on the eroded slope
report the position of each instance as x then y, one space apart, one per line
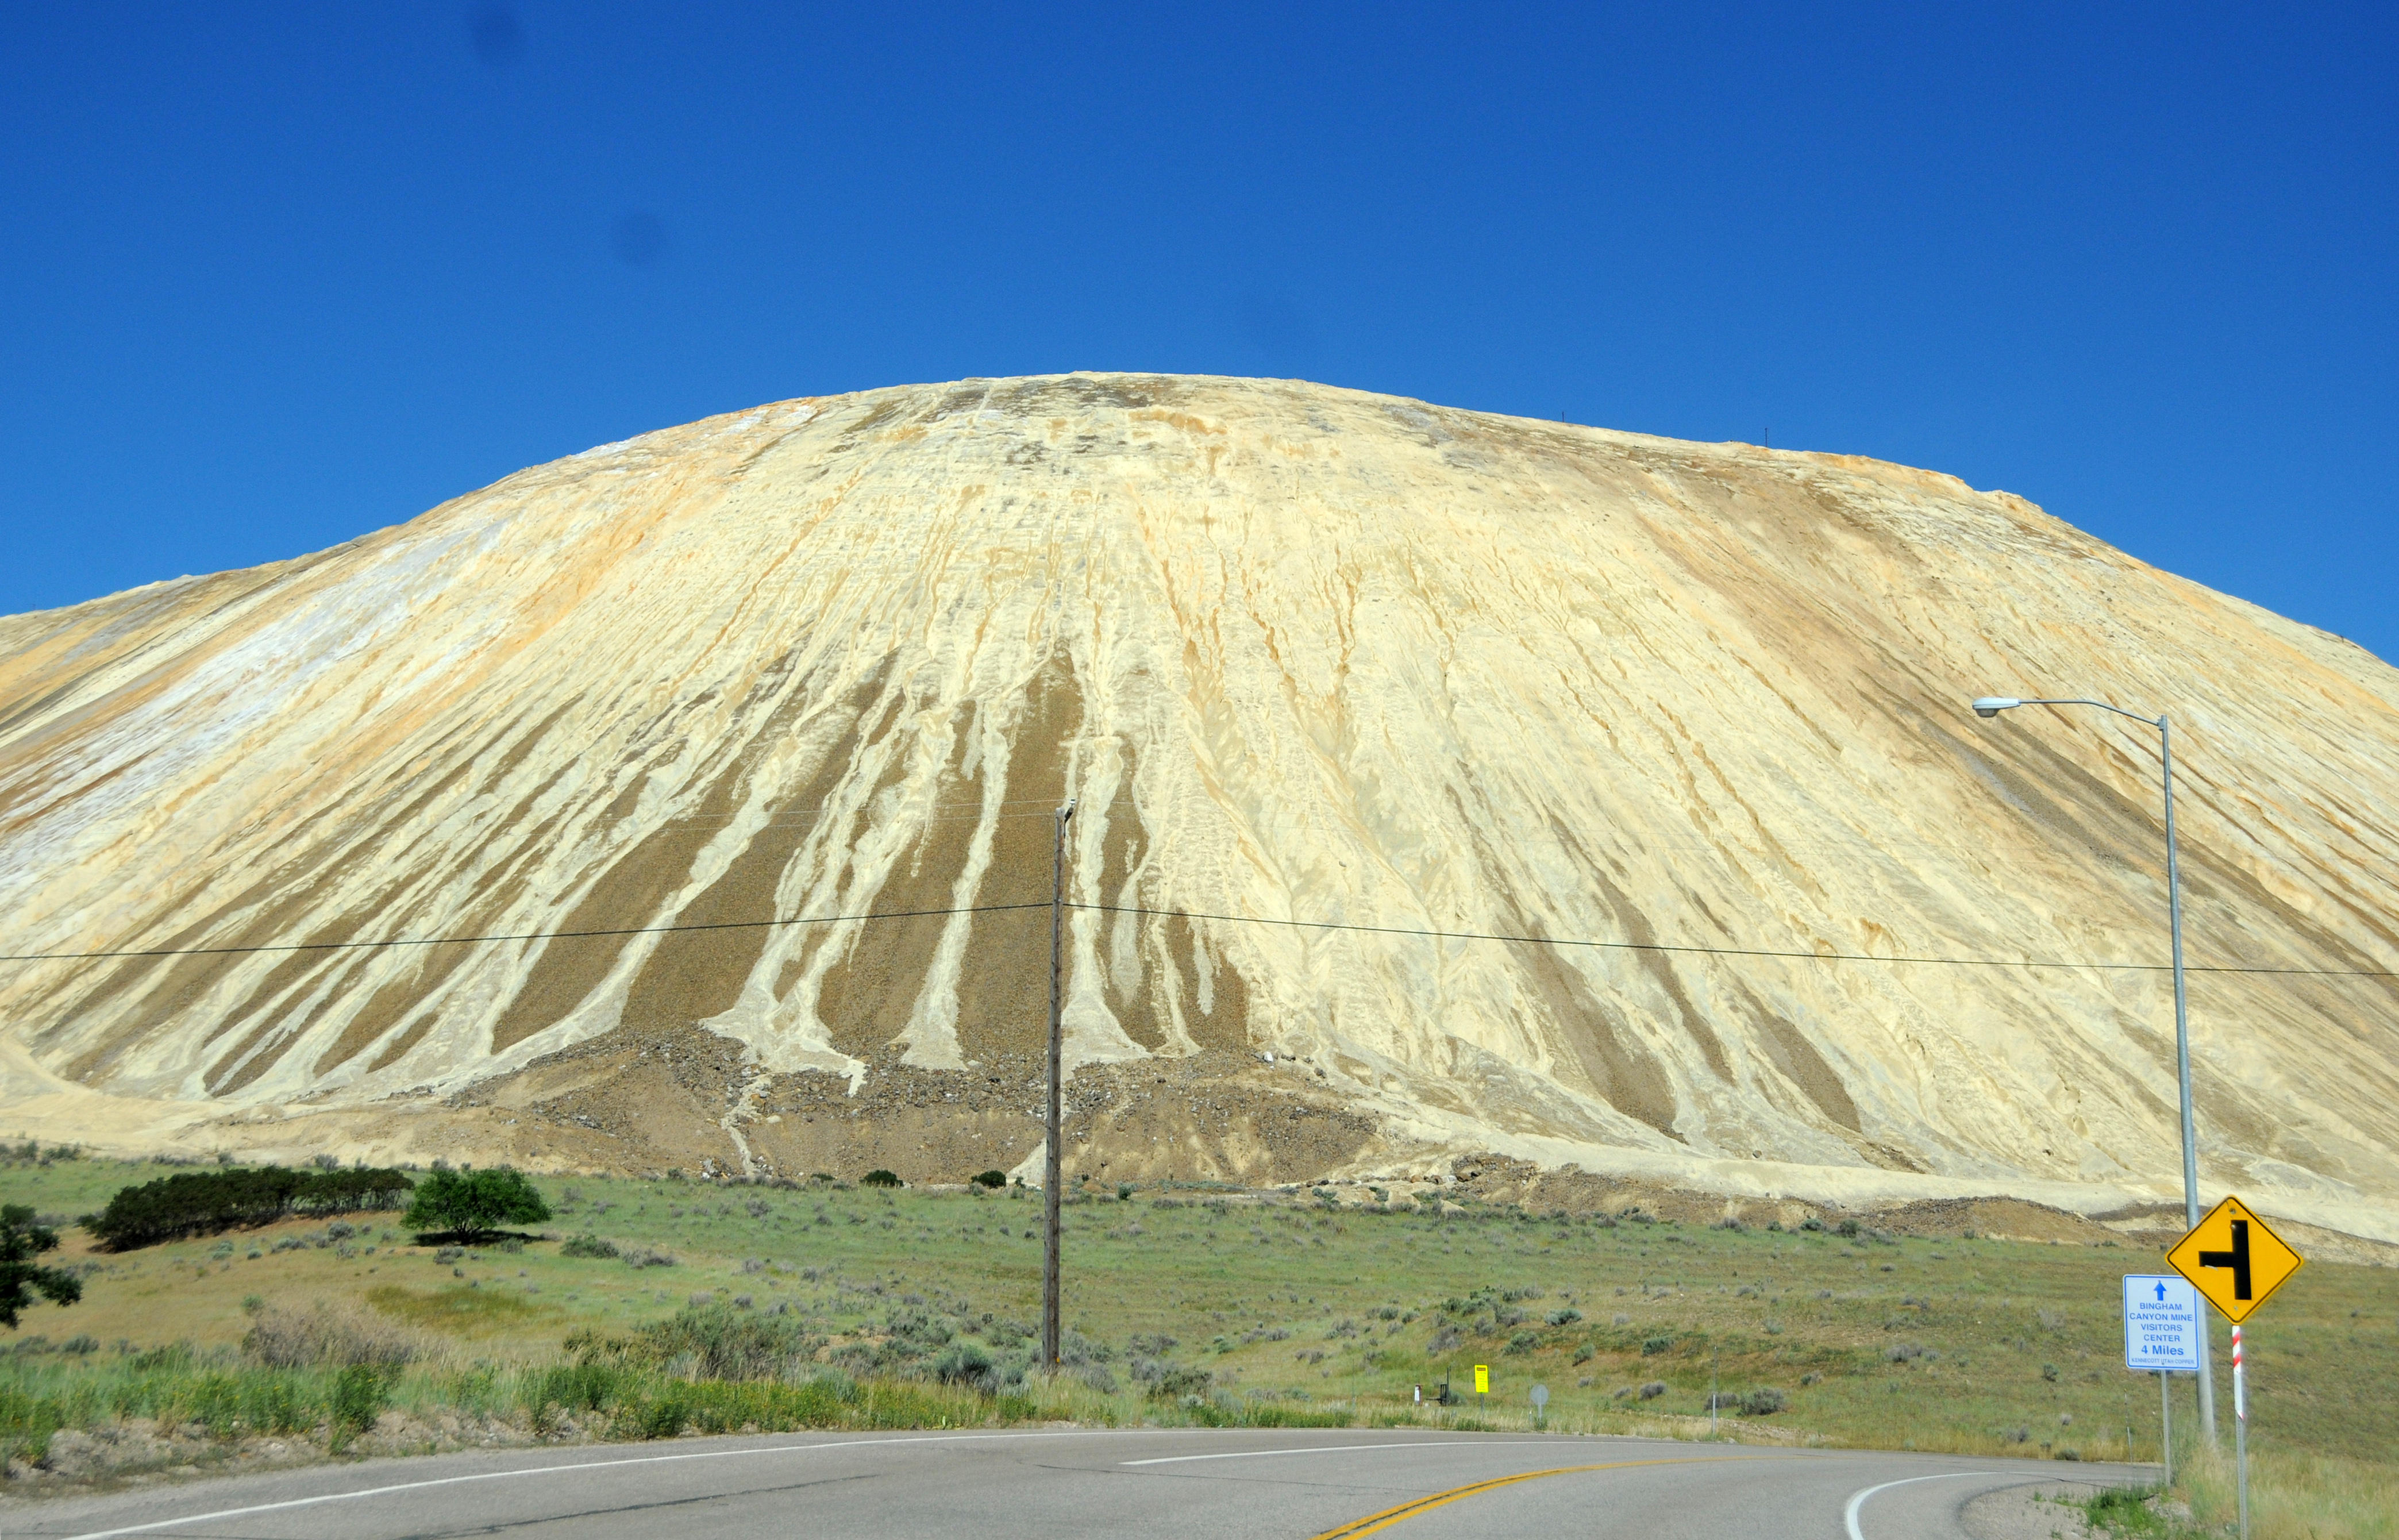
1306 658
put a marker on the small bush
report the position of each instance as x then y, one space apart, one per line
708 1341
2123 1510
963 1363
1652 1347
575 1386
881 1178
1175 1381
1654 1389
360 1391
1765 1401
325 1335
588 1245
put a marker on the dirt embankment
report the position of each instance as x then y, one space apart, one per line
1504 1179
647 1100
685 1098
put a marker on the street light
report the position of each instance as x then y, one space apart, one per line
1988 707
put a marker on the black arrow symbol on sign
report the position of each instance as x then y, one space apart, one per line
2237 1258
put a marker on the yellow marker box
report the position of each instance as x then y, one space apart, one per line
1482 1379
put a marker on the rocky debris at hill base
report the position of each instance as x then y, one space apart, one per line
676 1099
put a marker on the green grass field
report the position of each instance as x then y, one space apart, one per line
1296 1311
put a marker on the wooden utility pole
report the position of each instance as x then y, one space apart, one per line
1053 1180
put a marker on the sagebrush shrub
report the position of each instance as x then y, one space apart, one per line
710 1341
327 1336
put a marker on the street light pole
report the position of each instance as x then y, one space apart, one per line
1991 706
1051 1179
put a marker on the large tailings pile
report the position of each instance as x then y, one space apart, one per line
1572 794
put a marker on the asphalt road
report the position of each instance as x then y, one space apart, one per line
1232 1485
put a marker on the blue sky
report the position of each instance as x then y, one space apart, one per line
271 277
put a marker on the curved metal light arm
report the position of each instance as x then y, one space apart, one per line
2154 722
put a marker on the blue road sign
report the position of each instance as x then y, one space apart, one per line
2160 1324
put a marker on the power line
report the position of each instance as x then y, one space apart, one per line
518 936
1719 952
1183 914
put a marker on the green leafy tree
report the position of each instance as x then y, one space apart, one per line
474 1204
20 1276
202 1203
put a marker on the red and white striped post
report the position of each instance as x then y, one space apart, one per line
2240 1432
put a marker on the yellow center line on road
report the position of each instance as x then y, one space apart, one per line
1375 1523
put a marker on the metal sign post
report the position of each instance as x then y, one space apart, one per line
1540 1406
2240 1432
2237 1261
2161 1332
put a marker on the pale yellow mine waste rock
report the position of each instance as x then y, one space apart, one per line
1362 703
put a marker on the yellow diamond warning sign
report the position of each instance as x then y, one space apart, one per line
2234 1260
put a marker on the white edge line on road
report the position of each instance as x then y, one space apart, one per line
537 1470
1858 1500
1338 1449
